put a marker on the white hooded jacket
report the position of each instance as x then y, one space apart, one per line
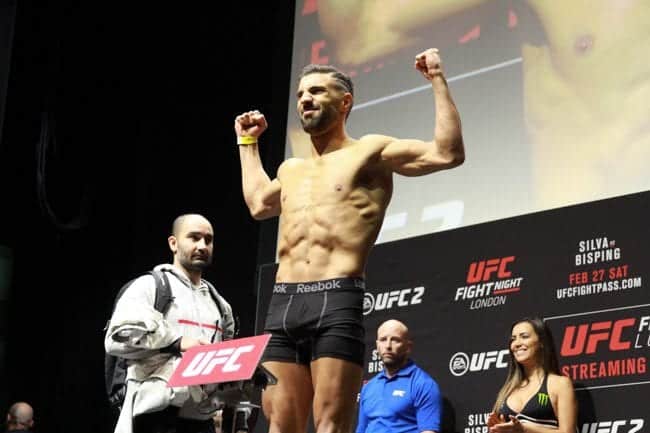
138 332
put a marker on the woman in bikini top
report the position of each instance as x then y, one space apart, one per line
534 397
538 408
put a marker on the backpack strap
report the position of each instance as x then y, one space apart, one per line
164 296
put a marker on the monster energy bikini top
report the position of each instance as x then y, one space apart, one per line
538 409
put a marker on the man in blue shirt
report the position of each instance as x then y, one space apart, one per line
402 398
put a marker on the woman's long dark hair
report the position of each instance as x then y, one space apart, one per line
547 357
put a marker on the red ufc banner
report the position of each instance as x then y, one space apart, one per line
221 362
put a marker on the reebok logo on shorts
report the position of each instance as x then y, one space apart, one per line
280 288
318 286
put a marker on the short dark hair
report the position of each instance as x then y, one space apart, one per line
342 79
178 222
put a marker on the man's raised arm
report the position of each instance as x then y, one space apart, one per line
412 157
262 195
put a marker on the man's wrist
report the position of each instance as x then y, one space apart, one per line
246 140
174 348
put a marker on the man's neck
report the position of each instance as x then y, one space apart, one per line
193 276
328 142
390 372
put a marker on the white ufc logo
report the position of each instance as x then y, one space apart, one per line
204 363
613 426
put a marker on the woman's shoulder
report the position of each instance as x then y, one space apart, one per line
559 382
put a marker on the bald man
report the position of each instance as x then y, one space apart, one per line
402 397
152 342
20 417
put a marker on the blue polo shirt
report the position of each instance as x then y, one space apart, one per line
408 402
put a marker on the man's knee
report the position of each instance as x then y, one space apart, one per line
286 413
332 417
333 412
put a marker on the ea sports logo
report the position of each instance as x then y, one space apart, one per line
459 364
368 303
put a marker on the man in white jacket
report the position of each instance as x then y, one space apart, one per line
152 342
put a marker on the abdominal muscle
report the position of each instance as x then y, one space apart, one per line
327 241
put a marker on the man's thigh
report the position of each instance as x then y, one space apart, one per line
337 383
287 404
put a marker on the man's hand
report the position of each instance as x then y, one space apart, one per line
188 343
428 63
251 123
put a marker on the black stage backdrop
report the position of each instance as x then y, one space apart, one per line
581 268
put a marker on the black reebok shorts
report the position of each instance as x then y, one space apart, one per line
316 319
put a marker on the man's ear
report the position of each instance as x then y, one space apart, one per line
347 102
172 244
409 347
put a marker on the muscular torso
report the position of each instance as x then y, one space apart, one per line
586 99
332 210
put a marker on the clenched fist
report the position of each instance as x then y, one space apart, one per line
251 123
428 63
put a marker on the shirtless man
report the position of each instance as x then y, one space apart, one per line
586 82
331 207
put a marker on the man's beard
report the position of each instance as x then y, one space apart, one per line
318 123
196 264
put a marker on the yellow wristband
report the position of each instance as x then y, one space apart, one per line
246 140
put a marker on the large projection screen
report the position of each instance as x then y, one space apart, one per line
553 98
